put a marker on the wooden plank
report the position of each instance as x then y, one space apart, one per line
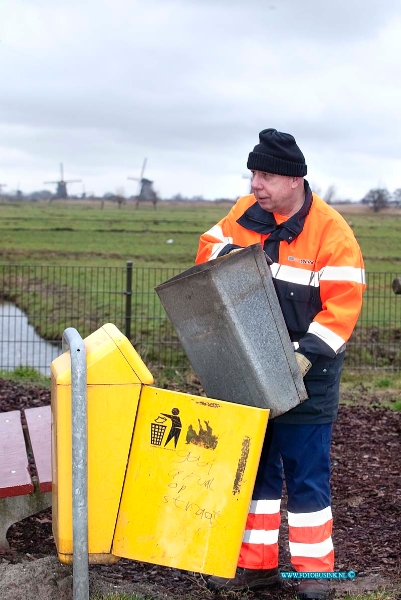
15 479
39 429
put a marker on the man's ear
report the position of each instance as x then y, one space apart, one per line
295 182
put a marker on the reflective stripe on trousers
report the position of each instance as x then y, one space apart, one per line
303 452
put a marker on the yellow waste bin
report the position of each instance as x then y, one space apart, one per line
189 481
170 475
115 375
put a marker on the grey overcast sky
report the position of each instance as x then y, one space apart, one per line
188 84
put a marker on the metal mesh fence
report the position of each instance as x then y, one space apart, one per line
376 341
37 303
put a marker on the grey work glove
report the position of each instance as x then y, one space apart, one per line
303 363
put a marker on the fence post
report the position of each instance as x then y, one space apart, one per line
73 341
397 285
128 300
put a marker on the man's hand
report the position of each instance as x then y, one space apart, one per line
303 363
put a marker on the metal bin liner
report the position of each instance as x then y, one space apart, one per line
229 322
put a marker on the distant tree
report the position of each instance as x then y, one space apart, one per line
155 198
41 195
330 194
397 196
377 199
119 196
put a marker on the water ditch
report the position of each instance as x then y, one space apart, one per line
20 345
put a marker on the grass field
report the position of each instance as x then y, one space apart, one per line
85 234
82 233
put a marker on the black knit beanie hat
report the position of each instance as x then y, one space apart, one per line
277 153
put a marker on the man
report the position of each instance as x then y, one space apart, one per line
319 278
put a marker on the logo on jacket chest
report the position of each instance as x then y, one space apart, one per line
302 261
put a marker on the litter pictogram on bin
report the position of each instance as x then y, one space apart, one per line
157 428
157 433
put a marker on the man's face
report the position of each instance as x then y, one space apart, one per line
274 193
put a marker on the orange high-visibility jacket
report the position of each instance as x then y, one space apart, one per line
317 269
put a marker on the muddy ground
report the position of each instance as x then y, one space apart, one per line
366 505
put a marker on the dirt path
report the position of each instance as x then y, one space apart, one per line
366 507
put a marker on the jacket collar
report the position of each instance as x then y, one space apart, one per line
261 221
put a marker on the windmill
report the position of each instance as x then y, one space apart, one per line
62 185
17 193
145 189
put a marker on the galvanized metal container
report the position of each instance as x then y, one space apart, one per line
229 322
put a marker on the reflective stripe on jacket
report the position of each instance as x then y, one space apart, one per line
317 269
